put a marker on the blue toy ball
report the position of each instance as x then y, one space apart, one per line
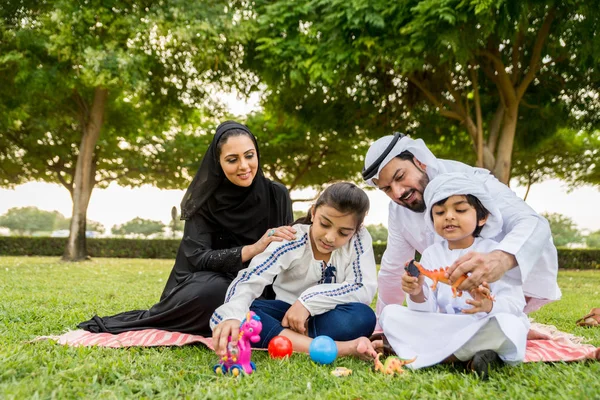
323 350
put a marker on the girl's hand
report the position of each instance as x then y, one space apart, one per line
221 334
481 301
412 285
295 318
271 235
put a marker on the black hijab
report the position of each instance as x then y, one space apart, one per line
245 212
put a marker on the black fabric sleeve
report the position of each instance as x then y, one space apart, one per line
197 248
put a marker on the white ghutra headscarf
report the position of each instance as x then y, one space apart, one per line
378 149
455 183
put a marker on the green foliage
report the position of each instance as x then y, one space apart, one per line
367 68
158 60
564 230
379 232
42 296
64 223
97 247
27 220
578 258
301 155
592 240
569 155
167 248
139 227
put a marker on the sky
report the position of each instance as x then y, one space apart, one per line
116 204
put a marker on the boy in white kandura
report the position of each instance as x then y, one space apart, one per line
324 281
437 327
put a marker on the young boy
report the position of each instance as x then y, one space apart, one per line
438 326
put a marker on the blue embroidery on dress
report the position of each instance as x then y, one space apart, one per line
268 263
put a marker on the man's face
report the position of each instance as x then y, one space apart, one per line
404 182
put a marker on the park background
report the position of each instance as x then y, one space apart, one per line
105 102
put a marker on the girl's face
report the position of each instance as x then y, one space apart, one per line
239 160
330 230
455 221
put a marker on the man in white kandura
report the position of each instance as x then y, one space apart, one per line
402 167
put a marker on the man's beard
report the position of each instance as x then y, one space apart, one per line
419 205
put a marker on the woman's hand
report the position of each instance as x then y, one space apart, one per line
221 334
271 235
295 318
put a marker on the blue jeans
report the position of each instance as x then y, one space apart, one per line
345 322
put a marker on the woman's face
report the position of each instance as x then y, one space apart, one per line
239 160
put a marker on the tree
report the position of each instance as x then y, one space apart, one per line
379 233
569 155
499 69
65 223
592 240
103 91
139 227
564 230
26 220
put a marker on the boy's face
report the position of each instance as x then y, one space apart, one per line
455 221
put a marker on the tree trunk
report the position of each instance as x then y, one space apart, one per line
84 179
505 144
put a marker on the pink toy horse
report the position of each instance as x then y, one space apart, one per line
238 357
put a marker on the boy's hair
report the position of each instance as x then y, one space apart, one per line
230 133
345 197
480 210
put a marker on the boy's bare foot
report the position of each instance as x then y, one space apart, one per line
361 348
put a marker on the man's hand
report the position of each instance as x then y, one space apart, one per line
488 267
295 318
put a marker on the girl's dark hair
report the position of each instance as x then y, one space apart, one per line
231 133
345 197
480 210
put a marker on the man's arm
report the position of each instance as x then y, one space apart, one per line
397 252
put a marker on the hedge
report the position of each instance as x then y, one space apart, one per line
167 248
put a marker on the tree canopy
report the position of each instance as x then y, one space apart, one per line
564 230
139 227
107 91
507 73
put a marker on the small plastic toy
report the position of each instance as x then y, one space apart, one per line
237 360
323 350
413 268
280 347
392 365
341 371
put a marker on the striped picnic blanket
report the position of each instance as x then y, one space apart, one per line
549 344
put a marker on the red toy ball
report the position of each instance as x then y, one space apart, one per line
280 347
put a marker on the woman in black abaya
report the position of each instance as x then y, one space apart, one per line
232 213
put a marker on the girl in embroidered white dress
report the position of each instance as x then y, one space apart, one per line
437 326
324 281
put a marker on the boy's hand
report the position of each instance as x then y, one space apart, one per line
481 300
295 318
412 285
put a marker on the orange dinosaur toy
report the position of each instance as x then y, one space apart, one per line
392 365
437 275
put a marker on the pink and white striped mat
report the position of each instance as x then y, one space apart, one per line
549 345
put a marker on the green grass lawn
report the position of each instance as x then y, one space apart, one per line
43 296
